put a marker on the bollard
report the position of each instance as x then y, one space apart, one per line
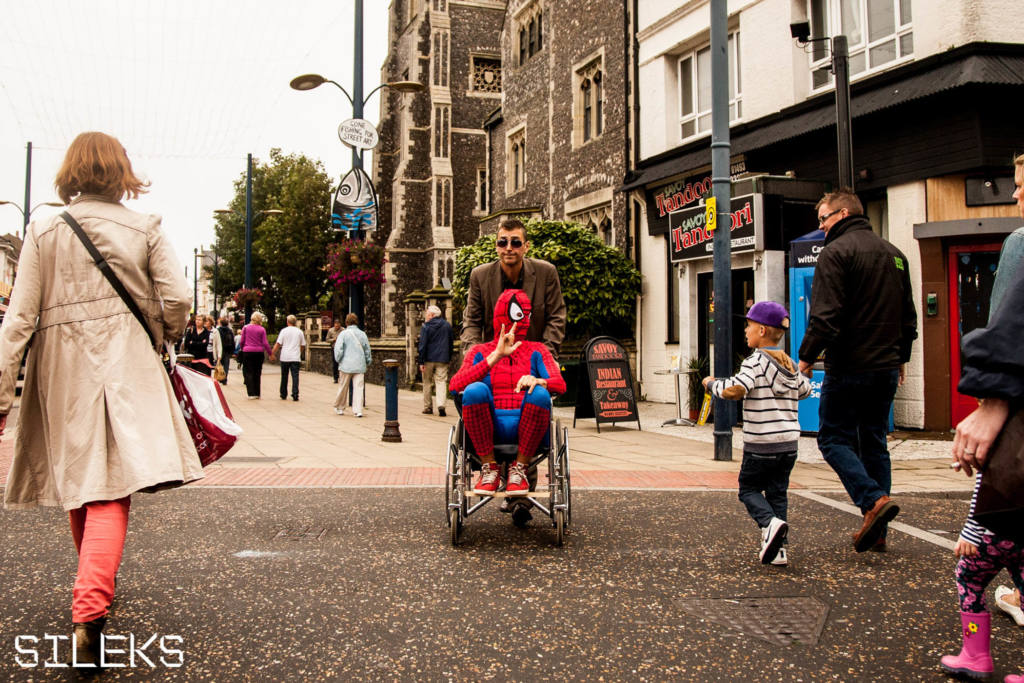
391 433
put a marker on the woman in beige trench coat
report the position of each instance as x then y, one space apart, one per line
98 419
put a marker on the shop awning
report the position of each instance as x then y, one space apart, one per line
984 64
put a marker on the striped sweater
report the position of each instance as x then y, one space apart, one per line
972 531
770 387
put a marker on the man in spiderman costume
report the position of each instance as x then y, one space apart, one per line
507 385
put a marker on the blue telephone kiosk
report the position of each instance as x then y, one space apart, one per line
803 258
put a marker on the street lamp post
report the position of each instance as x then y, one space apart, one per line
26 214
195 280
310 81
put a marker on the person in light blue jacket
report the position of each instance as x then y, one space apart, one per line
352 352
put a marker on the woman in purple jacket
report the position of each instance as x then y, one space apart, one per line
254 344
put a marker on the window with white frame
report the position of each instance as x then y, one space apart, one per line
516 166
481 190
879 32
695 89
589 99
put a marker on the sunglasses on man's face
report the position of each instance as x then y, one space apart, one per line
505 241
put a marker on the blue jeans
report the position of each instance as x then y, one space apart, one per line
854 415
764 481
290 368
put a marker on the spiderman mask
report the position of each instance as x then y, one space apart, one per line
513 308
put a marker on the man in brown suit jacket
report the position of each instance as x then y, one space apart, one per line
512 270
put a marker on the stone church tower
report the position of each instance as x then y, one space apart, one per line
430 167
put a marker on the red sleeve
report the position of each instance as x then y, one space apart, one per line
471 371
556 384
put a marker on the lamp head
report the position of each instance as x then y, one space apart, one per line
307 82
272 212
800 30
405 86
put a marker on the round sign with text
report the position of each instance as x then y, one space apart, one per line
358 133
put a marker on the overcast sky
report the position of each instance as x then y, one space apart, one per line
188 86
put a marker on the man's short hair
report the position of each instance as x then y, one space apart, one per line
291 320
510 224
351 319
843 198
434 310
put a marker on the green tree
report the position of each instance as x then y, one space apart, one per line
288 251
599 283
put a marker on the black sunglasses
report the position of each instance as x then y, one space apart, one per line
822 219
503 242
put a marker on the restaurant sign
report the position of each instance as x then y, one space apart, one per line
691 238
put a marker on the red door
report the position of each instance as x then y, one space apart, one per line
972 270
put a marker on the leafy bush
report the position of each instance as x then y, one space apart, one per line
599 283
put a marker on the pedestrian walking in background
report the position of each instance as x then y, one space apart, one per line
197 344
98 422
863 318
214 347
435 352
291 343
332 336
254 344
352 351
227 345
769 386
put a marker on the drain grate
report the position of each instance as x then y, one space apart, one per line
781 621
307 533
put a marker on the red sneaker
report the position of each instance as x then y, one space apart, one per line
517 485
490 480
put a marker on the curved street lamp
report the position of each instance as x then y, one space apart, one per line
26 216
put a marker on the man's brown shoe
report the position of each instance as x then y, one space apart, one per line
875 519
428 411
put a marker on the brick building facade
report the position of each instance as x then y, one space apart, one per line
431 165
558 146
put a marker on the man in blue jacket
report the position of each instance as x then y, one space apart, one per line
435 352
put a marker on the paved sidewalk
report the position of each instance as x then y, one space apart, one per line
305 444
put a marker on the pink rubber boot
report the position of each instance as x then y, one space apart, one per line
974 660
1014 678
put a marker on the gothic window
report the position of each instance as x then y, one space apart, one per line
443 202
522 46
486 74
540 33
533 37
530 30
439 61
481 190
604 231
589 103
516 165
442 127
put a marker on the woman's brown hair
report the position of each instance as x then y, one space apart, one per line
96 163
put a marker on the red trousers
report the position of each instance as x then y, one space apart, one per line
98 530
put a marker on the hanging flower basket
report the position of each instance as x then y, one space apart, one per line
243 297
355 261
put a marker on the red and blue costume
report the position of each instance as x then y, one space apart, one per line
491 406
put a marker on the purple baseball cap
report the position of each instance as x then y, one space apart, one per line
769 313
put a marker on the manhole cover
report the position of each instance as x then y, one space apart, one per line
782 621
306 533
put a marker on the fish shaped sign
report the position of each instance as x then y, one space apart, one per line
355 203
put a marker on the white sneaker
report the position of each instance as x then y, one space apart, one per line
1014 611
339 411
359 414
780 559
772 537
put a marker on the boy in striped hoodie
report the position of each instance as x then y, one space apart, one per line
770 386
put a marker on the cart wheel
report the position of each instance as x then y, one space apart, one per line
454 525
559 527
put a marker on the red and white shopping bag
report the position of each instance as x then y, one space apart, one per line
206 412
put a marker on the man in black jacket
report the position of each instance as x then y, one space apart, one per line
863 318
435 351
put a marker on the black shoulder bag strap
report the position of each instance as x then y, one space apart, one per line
109 273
